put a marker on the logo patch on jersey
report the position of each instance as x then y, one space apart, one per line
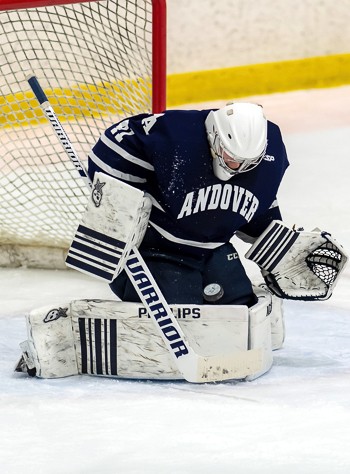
97 194
269 158
222 197
232 256
55 314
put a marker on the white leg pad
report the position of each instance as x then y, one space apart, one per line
50 344
277 323
118 339
276 316
260 333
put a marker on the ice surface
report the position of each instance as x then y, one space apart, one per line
295 419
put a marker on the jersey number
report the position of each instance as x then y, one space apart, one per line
148 122
122 129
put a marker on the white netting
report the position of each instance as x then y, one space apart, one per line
94 61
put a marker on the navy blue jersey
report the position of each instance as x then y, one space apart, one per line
168 156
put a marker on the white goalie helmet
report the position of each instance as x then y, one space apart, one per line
237 135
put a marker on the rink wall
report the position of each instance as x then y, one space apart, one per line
236 48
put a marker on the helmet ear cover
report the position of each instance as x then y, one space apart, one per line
239 130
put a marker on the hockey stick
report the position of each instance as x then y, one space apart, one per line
194 367
57 127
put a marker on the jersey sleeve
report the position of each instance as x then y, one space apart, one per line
121 152
251 231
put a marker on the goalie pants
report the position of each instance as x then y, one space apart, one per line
182 278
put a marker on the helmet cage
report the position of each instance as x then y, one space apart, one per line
245 164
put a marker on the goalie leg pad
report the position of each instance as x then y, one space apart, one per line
49 351
278 330
118 339
115 220
276 316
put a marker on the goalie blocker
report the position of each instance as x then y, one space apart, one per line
119 339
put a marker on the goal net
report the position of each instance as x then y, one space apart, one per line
97 61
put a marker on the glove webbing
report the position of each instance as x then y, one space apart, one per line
325 262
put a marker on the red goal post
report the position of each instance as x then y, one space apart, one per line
98 61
